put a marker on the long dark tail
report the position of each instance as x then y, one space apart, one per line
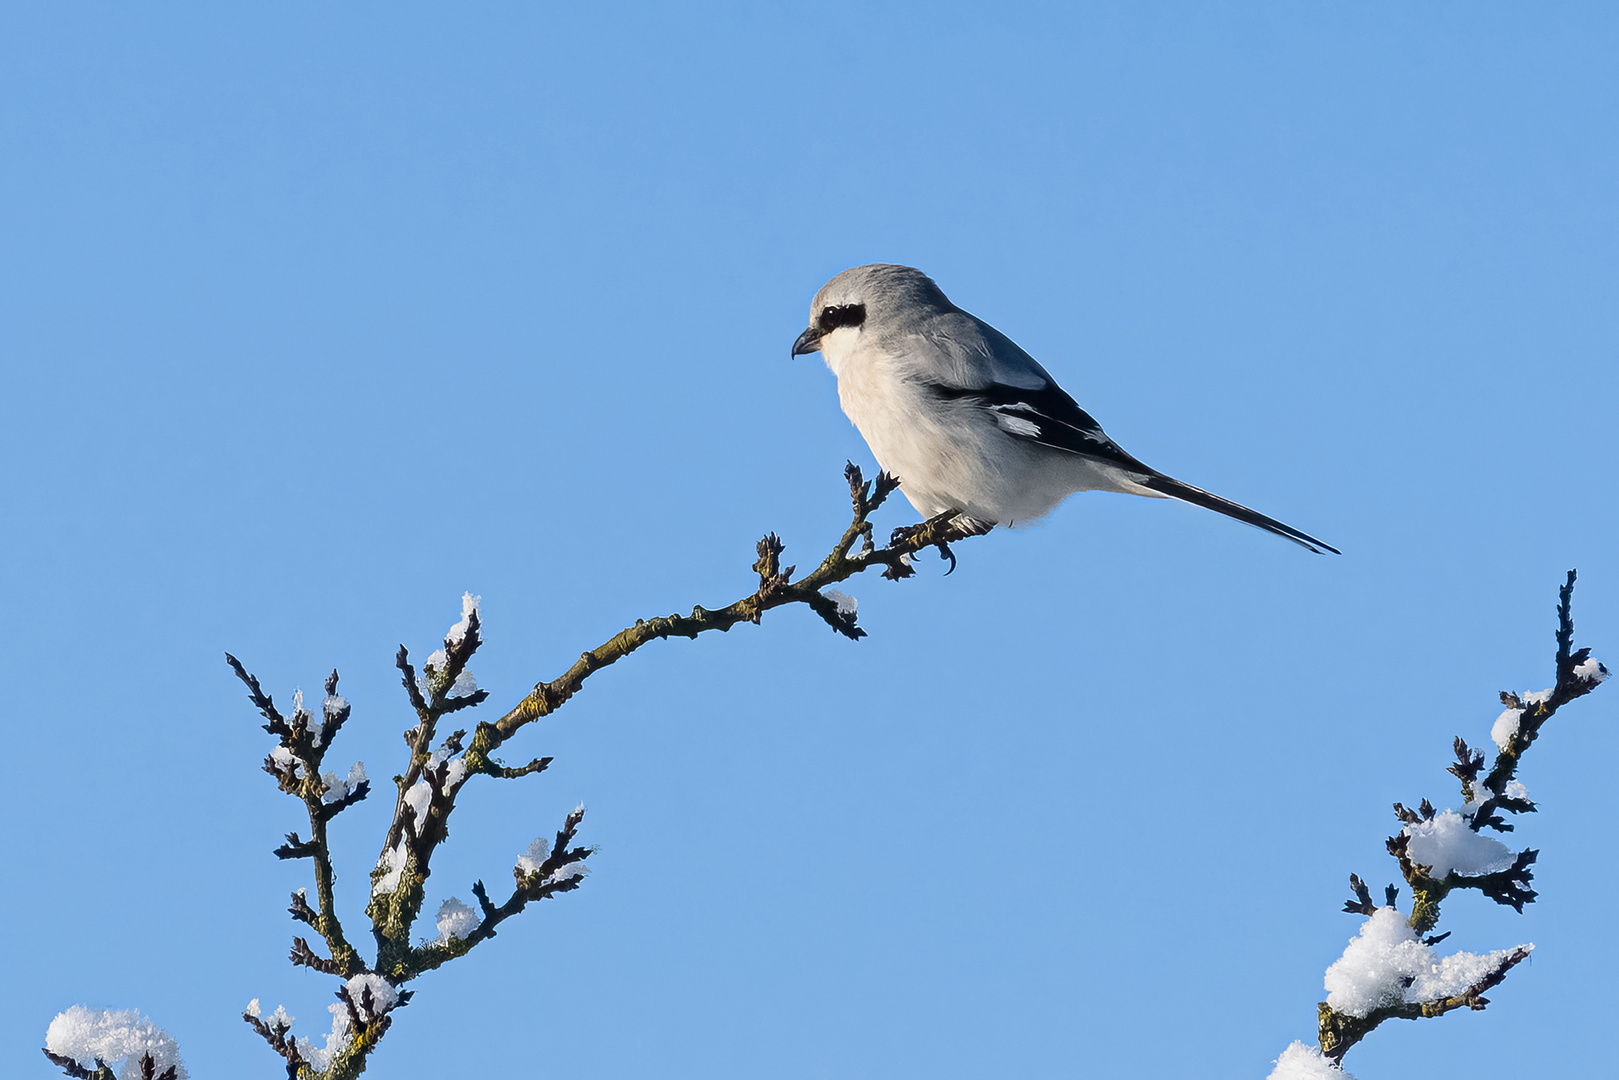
1169 487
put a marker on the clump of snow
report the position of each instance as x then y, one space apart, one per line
455 920
280 1016
392 864
1513 790
466 684
331 707
1387 964
383 995
321 1056
1301 1062
287 761
434 663
1591 668
1505 727
538 851
458 632
419 798
297 702
847 605
453 776
1446 843
113 1035
568 872
338 788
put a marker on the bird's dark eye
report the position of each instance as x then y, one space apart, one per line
833 318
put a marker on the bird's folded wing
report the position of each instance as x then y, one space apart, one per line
1047 416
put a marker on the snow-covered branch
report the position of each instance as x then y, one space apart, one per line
1391 969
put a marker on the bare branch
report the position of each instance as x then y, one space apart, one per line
538 765
463 701
775 590
261 701
1362 904
295 848
1509 887
301 911
408 673
304 956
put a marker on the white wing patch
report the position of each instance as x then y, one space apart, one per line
1017 425
1025 420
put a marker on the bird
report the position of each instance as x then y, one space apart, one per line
968 422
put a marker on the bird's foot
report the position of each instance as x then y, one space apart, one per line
906 534
952 523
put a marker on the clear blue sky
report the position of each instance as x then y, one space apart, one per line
312 319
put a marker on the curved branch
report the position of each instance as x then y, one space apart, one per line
775 590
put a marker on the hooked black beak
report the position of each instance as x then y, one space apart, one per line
809 341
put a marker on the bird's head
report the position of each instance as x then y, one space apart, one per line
876 299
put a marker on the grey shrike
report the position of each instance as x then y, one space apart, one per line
964 418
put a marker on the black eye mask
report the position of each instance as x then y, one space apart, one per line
834 318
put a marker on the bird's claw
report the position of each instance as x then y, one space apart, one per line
960 523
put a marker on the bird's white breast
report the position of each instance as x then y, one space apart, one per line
873 393
931 445
879 400
948 454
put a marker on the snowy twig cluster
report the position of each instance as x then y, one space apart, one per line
1391 969
82 1041
427 791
